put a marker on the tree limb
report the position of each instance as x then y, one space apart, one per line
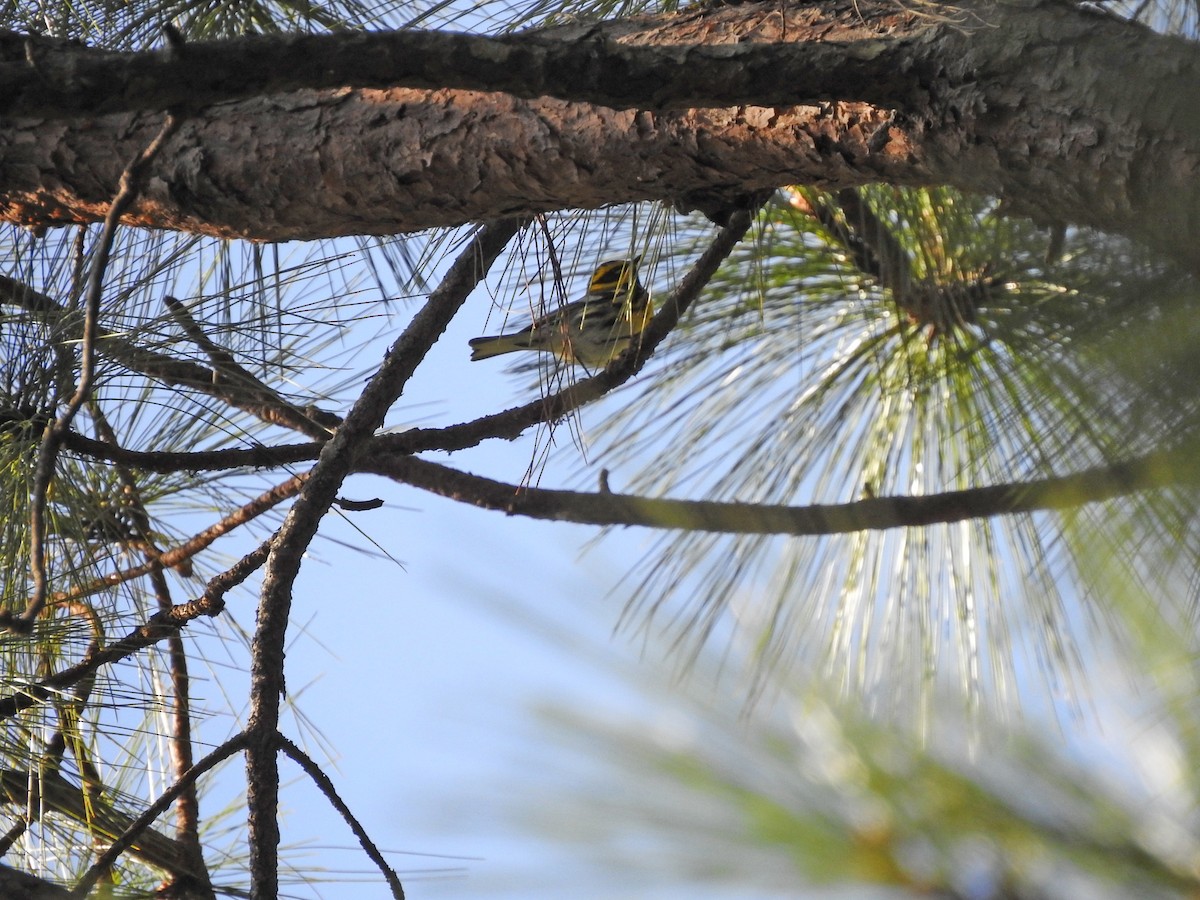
1068 115
300 526
1164 469
597 63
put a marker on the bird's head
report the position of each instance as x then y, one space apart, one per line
617 277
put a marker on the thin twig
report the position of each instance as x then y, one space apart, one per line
158 628
132 503
130 185
240 382
195 461
187 807
326 786
130 835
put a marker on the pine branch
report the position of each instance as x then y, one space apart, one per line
159 627
1164 469
48 77
300 526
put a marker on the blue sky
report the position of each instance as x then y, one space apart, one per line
418 677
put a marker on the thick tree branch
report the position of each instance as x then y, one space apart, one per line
595 63
1172 468
1068 115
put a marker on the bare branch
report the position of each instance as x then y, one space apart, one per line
239 382
196 461
325 785
187 806
139 826
300 526
1164 469
159 627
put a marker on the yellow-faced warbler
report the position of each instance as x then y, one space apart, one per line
591 332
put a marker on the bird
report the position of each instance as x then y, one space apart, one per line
590 332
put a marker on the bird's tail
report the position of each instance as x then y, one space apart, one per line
487 347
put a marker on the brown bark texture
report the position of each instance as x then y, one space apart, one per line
1069 115
18 885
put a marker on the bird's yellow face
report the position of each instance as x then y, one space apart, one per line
617 276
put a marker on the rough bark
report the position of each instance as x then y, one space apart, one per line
380 162
1068 115
17 885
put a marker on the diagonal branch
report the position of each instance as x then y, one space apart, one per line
300 526
234 380
139 826
326 786
189 548
250 396
159 627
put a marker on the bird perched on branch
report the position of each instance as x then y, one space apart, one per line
591 332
